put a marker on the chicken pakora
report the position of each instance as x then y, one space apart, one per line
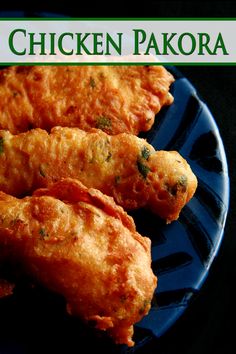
115 99
123 166
78 243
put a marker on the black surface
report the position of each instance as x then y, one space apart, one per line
208 326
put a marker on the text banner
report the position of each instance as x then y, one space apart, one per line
146 41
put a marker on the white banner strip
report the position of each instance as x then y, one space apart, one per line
30 41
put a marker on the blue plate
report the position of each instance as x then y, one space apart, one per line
182 252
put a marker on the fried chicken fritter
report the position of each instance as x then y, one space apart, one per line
122 166
113 98
78 243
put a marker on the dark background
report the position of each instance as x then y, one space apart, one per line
208 326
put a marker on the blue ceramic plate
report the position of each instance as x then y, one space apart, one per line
182 252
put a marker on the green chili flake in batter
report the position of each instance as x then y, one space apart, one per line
1 146
103 123
108 156
143 308
145 153
92 82
43 233
179 186
143 169
183 181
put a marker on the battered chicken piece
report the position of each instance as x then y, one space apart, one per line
113 98
122 166
78 243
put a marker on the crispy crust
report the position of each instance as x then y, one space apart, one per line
122 166
113 98
80 244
